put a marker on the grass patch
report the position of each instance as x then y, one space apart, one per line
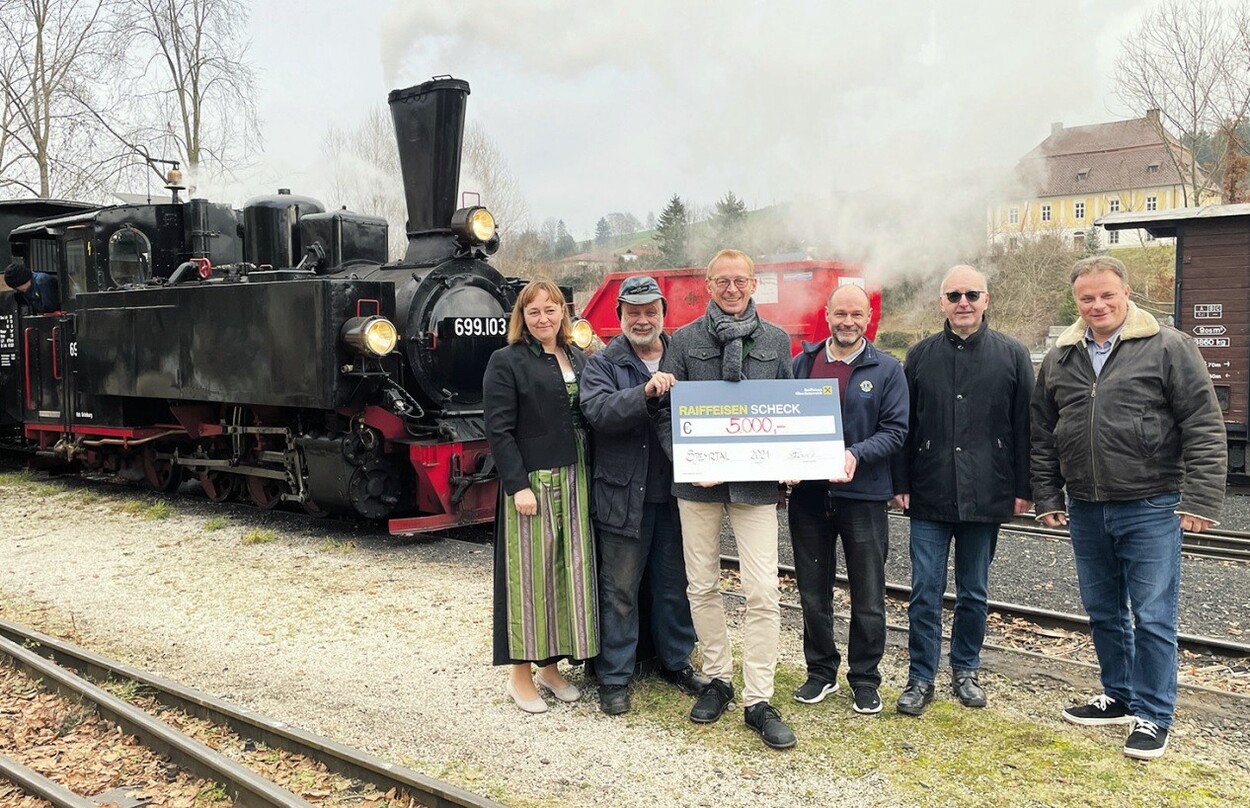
125 689
130 507
216 523
89 498
16 477
951 755
159 510
335 546
259 535
213 795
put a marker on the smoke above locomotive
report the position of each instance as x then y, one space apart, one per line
272 353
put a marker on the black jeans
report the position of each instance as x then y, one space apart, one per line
816 522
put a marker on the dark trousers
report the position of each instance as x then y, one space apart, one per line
816 522
623 560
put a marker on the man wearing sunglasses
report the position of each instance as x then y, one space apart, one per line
964 471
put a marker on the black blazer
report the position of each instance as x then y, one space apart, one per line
529 425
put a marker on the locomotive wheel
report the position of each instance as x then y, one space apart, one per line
218 486
160 475
265 491
315 510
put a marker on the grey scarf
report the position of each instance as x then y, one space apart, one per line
729 332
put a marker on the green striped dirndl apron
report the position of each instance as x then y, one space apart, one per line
549 566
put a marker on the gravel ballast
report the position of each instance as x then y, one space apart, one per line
384 644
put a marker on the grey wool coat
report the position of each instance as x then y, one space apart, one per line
695 355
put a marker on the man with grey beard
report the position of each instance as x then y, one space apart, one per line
632 504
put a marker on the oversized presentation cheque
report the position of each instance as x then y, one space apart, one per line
779 429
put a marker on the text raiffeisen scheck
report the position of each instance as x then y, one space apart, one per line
738 409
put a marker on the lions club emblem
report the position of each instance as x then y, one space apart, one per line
866 386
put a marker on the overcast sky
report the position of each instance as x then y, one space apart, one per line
615 106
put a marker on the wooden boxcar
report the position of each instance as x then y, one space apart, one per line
1212 299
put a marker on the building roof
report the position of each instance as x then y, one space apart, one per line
1115 156
1162 223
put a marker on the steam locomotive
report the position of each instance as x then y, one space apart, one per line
273 353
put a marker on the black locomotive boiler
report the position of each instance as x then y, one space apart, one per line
273 353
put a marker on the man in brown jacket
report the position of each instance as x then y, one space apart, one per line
1125 417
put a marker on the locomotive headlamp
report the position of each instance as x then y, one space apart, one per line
370 335
475 225
583 333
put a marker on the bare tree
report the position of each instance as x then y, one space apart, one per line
1189 59
53 53
197 89
365 174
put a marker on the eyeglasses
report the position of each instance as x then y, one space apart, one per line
973 295
723 283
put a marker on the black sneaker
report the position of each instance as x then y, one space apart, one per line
614 699
713 701
867 700
915 698
688 680
1099 712
1147 741
967 689
764 719
813 691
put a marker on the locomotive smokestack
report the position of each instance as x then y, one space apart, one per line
429 129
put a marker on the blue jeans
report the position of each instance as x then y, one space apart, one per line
975 543
1128 562
622 562
816 522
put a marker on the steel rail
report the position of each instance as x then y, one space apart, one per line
337 757
245 786
1222 545
36 785
1042 617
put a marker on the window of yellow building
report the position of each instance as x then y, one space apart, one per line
1114 207
1152 203
1045 213
1079 211
1013 216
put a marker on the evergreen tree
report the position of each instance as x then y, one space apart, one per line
602 232
671 233
565 245
650 220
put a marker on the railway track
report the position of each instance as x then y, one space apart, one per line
71 670
1047 618
1223 545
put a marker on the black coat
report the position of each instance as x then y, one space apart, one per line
529 424
966 458
623 420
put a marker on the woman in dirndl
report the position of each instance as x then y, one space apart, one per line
546 603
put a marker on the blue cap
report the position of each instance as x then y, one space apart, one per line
638 290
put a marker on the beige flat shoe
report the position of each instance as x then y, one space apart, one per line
534 705
566 692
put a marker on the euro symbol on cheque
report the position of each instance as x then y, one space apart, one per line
685 427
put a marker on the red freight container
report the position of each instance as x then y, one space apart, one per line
792 295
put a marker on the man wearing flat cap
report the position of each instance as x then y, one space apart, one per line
632 504
36 289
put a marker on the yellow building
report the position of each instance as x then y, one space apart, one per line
1080 173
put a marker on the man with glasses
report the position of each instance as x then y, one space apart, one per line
964 471
874 424
731 342
1139 463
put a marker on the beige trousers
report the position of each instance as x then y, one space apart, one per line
755 531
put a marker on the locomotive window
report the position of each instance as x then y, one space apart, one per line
130 256
76 264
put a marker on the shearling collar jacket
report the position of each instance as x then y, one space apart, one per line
1148 424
